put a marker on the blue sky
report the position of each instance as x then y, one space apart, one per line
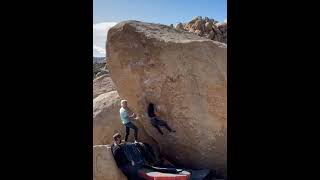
108 12
158 11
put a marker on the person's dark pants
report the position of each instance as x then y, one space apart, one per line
129 126
158 122
131 172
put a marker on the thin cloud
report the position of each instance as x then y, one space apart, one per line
99 50
100 31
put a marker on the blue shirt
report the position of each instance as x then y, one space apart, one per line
124 116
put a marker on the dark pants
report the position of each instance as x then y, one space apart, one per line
158 122
131 172
132 126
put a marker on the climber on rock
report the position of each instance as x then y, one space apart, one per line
126 120
118 150
155 121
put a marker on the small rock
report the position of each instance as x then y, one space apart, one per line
208 26
217 37
179 26
188 26
191 30
101 73
210 35
216 29
199 25
198 32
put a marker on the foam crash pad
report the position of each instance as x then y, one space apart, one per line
204 174
150 174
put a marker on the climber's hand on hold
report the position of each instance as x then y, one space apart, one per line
132 115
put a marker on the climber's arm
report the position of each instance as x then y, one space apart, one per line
129 112
132 115
156 112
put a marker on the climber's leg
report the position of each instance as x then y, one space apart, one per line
134 127
165 124
127 133
158 128
130 171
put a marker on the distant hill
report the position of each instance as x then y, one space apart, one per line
99 66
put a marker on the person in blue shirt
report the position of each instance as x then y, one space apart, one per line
126 120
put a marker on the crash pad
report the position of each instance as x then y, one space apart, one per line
150 174
203 174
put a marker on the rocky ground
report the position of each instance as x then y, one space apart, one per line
99 69
184 73
205 27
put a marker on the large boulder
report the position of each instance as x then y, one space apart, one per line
186 77
106 121
106 117
104 165
102 84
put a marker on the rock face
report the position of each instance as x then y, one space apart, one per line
104 165
106 121
186 77
102 84
106 117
